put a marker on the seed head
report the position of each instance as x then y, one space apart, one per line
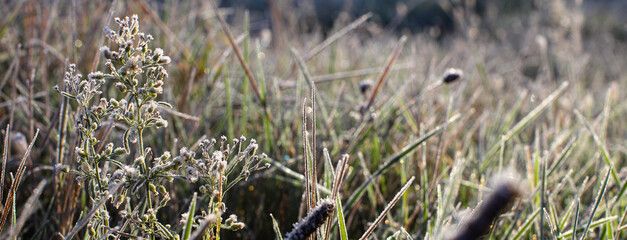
364 86
452 75
504 194
312 221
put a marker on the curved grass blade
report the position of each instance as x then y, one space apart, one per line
395 159
16 182
525 226
275 227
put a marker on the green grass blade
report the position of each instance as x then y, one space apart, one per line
275 227
576 219
600 145
597 201
395 159
567 214
340 220
190 218
593 225
524 122
525 226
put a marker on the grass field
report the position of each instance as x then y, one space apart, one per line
509 127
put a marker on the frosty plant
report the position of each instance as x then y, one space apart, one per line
131 177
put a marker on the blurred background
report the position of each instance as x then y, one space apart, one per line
513 53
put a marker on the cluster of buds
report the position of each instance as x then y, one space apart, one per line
215 166
133 58
80 89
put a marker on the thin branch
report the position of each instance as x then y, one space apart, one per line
387 209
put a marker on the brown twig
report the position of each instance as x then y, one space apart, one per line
387 209
16 182
91 213
27 209
337 183
4 158
384 74
240 57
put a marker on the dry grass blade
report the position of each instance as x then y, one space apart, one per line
387 209
313 148
395 159
345 75
155 17
179 114
386 71
289 172
4 159
16 182
524 122
204 224
323 109
91 212
327 42
219 65
28 209
240 57
337 183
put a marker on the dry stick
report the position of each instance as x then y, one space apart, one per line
179 114
327 42
4 158
339 178
16 182
204 224
384 74
28 209
91 213
240 57
126 223
313 144
387 209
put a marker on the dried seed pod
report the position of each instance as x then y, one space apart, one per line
312 221
364 86
504 194
452 75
